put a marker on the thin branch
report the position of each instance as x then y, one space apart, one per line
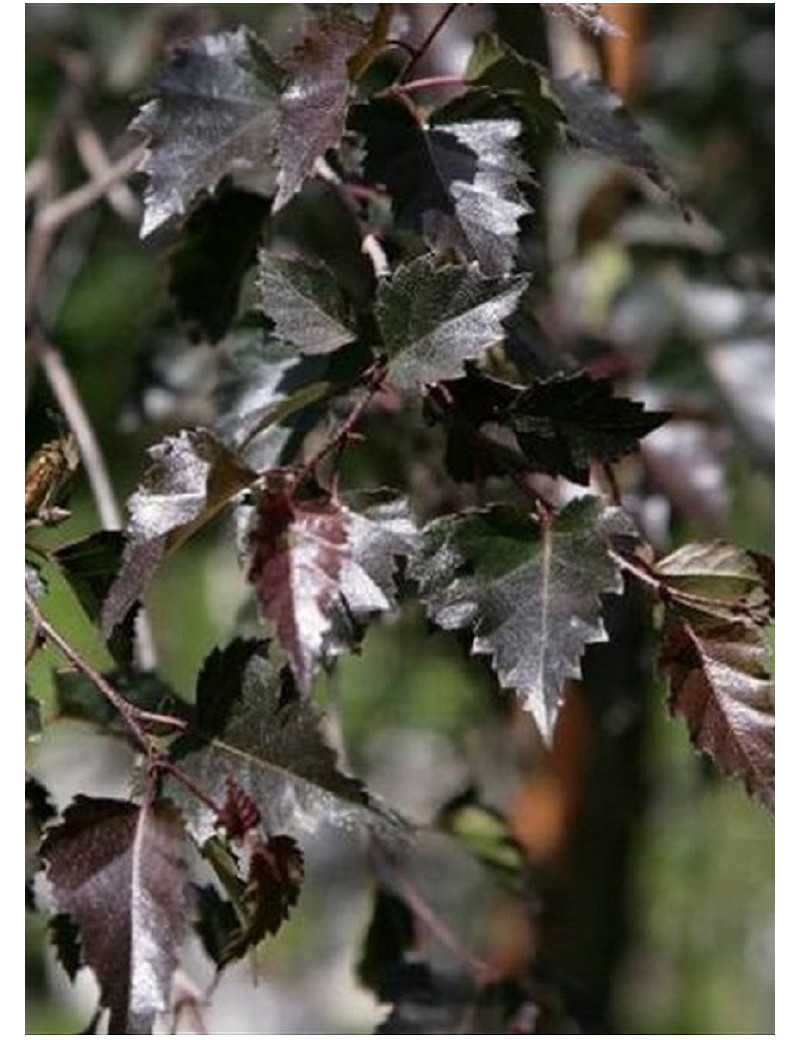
479 969
375 376
65 392
429 83
613 483
69 400
67 206
97 164
426 43
131 715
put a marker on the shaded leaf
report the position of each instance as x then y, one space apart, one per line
597 121
313 107
720 684
319 569
270 398
76 697
192 478
216 923
390 934
116 868
431 1001
530 591
433 319
253 724
561 424
66 940
214 113
455 182
515 86
306 305
428 1000
209 262
39 810
91 566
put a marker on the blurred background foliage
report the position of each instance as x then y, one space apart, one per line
659 873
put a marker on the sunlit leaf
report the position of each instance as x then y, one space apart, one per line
433 319
214 113
529 590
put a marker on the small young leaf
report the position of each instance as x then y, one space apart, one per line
433 319
192 478
319 568
720 684
313 106
306 305
215 113
715 652
209 262
530 591
455 182
117 869
254 725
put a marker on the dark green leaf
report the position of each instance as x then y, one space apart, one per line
256 727
215 113
313 107
305 304
320 569
117 869
455 182
433 319
192 478
207 266
91 567
530 591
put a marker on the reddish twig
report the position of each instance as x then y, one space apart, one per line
375 377
429 83
66 393
423 48
132 716
480 970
